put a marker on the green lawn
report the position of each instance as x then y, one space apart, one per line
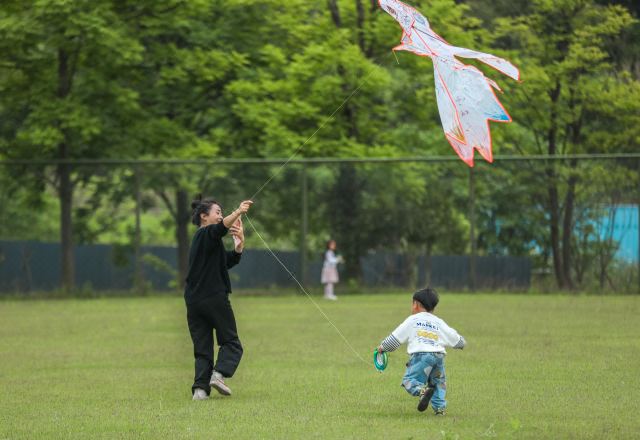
535 367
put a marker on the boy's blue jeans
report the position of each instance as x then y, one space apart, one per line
423 368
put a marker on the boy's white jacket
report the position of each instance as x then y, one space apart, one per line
425 332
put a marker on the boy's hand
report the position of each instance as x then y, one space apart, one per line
380 349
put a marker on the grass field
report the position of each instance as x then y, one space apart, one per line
535 367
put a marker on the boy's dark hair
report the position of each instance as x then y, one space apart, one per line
428 297
201 206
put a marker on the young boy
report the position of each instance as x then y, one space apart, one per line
428 335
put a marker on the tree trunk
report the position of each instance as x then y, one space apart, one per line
335 13
552 190
567 226
65 184
182 235
602 276
554 225
345 218
137 241
65 194
427 264
360 24
347 186
304 230
348 110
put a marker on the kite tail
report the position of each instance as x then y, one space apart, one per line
466 103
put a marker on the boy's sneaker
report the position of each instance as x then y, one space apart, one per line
200 394
425 397
439 411
217 382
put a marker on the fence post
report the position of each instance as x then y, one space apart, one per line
304 227
472 229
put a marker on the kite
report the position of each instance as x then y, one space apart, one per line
466 101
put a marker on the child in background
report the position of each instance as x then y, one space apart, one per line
329 276
427 337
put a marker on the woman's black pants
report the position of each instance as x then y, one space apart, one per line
203 317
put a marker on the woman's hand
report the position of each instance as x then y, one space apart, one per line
244 206
237 232
231 219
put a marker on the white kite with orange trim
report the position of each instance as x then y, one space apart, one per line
466 100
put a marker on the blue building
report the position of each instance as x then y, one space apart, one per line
625 232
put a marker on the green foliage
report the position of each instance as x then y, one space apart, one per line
27 208
569 87
67 78
264 78
161 265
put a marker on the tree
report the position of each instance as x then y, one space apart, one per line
564 49
283 103
180 80
66 92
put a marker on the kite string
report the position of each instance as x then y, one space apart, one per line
324 123
305 292
278 171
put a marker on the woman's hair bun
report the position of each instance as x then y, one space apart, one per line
196 202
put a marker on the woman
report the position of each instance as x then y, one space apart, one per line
329 275
207 295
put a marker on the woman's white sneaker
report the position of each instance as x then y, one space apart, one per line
217 382
200 394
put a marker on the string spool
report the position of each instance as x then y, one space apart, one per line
380 360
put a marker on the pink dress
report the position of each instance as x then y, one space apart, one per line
329 268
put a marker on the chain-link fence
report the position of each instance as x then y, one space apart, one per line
520 223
